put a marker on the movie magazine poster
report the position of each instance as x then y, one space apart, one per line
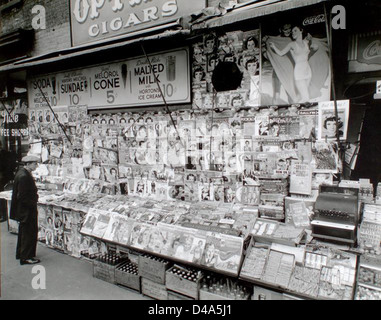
308 120
78 219
68 243
300 178
58 233
325 157
140 235
236 50
248 194
284 126
42 222
329 124
101 224
89 223
67 220
118 230
300 214
295 59
222 252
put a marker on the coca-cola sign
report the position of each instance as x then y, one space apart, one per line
373 51
369 49
314 20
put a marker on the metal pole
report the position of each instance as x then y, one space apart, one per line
162 95
329 39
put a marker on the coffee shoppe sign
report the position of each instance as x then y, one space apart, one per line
129 83
93 20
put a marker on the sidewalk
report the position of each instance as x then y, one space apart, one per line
67 278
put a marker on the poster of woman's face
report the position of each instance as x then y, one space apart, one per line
331 125
210 43
295 60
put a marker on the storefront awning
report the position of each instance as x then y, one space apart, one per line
258 9
59 56
240 13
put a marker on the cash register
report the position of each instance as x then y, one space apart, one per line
336 214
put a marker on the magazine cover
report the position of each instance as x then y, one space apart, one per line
101 224
118 230
68 243
261 125
325 157
140 235
42 222
222 252
296 66
308 119
300 178
300 214
67 219
284 126
110 173
329 124
89 223
249 194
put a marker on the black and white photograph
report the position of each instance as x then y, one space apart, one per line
296 64
223 150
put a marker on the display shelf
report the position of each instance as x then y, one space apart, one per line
268 231
323 274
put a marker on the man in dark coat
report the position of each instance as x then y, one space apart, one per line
24 210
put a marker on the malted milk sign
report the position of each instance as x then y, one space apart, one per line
93 20
129 83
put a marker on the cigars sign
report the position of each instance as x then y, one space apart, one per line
129 83
93 20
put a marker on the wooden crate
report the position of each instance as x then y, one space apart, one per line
177 296
183 286
154 290
104 271
266 294
205 295
127 279
153 268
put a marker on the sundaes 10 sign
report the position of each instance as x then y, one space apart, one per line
93 20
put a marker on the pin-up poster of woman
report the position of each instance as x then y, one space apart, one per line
295 64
